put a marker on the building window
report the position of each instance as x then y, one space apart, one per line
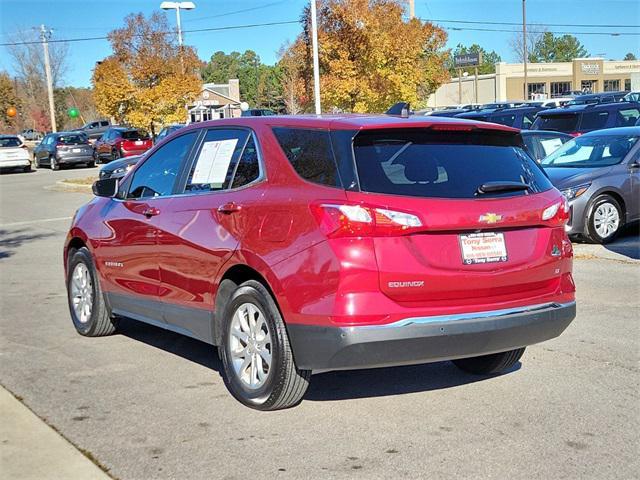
559 89
627 84
589 86
535 89
611 85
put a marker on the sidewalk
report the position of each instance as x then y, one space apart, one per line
30 449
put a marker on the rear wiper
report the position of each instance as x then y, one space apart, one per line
492 187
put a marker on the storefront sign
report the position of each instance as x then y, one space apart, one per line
467 60
590 68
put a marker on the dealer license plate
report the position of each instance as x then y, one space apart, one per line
138 142
77 150
488 247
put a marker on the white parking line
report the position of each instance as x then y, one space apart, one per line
30 222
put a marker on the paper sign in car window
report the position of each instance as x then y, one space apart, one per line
550 145
213 162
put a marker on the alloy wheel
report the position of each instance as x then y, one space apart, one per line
250 346
82 292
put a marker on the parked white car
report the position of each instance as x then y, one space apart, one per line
14 153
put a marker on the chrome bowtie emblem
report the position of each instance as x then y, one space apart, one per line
490 218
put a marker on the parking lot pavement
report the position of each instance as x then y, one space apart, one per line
151 404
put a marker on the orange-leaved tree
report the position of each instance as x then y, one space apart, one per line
149 79
370 56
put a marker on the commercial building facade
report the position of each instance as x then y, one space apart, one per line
216 100
544 80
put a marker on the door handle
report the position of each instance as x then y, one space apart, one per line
150 212
228 208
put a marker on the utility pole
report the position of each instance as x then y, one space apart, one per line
316 62
524 47
44 37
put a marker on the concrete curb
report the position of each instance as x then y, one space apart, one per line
31 449
66 185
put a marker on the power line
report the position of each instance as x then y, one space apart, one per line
610 34
197 30
586 25
235 12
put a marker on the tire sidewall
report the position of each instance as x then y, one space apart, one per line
252 397
83 256
53 163
591 229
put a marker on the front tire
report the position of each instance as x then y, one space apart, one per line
260 371
90 315
605 220
490 364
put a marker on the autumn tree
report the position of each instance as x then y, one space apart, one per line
292 84
149 79
370 56
489 59
8 98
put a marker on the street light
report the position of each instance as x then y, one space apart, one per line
177 6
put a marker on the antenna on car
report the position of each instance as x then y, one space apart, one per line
401 109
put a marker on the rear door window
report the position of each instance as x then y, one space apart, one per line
310 154
215 163
594 120
419 163
627 117
248 167
559 123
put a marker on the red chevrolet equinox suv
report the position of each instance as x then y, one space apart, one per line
300 244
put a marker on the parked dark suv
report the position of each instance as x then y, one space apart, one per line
310 243
578 119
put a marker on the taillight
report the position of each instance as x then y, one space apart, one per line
557 213
575 134
355 220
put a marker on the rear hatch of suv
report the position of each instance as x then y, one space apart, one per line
136 140
461 215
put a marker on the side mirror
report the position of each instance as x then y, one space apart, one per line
107 187
634 165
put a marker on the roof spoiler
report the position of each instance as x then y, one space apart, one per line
401 109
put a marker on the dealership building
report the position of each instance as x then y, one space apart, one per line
544 80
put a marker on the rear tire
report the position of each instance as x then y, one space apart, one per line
490 364
90 315
54 163
272 384
604 220
115 154
27 169
91 164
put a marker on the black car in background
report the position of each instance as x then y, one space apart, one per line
578 119
518 117
64 148
540 143
604 97
119 168
482 114
258 112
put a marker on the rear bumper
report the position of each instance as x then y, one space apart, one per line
427 339
78 158
14 163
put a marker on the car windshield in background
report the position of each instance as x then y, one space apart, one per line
560 123
591 151
10 142
445 164
135 135
72 139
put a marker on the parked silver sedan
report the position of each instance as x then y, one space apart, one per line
64 148
599 174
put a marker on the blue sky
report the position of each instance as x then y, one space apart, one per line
90 18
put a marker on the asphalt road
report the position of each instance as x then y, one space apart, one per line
151 404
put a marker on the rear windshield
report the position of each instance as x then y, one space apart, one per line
135 135
507 120
423 163
10 142
73 139
558 123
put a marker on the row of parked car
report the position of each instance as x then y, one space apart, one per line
78 147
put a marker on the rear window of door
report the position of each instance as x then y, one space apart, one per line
157 176
559 123
627 117
594 120
215 162
418 163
